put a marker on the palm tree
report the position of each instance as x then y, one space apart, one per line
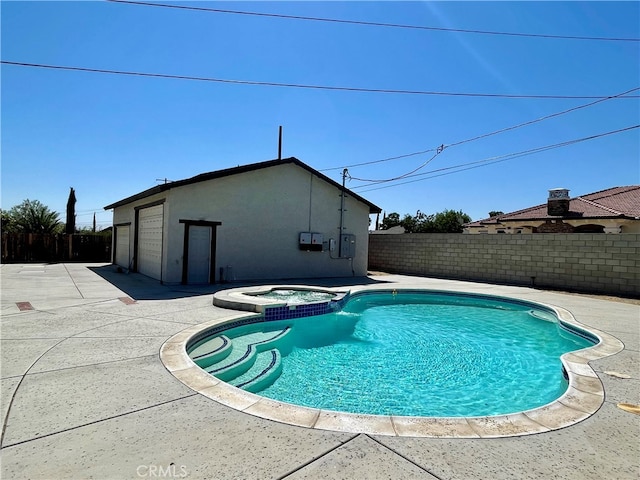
31 216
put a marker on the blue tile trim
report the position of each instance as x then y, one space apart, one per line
225 342
250 349
274 359
210 332
288 312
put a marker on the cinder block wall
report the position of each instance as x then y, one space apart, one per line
597 263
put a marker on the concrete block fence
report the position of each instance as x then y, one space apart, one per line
594 263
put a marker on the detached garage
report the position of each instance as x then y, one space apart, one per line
271 220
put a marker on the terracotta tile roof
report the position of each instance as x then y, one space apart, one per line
625 200
612 202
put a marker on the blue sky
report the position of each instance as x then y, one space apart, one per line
110 136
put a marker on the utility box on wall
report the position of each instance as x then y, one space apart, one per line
305 238
317 239
347 245
311 242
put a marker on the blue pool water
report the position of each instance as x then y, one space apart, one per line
436 355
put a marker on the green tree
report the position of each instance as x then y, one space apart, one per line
450 221
391 220
31 216
447 221
495 213
409 223
413 224
70 225
6 220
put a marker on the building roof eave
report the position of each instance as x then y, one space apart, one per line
235 171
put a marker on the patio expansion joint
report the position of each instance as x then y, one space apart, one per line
175 322
123 336
404 457
72 280
26 339
128 318
152 316
317 457
23 313
65 430
13 396
84 365
24 375
54 310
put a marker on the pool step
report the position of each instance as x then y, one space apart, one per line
262 374
244 352
212 351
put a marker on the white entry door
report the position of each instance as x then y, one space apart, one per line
199 261
122 246
150 222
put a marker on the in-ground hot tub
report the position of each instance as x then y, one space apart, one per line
262 299
295 296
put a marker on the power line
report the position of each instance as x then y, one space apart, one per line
307 86
557 114
489 161
381 160
90 210
485 135
498 159
379 24
408 174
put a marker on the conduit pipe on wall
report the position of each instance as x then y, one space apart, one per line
344 178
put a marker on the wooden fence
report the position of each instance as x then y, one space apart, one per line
34 247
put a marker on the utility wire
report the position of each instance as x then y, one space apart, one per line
557 114
492 160
408 174
485 135
381 160
298 85
484 163
379 24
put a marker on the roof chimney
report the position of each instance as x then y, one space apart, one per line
558 202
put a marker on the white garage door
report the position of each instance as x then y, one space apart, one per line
122 246
150 241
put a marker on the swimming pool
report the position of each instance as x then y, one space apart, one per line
582 399
408 353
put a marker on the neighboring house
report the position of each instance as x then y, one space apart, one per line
615 210
270 220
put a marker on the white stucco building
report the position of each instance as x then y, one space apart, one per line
271 220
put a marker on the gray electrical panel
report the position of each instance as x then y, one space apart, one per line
311 242
347 245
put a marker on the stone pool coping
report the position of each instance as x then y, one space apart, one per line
582 399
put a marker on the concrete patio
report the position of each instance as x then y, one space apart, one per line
85 395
